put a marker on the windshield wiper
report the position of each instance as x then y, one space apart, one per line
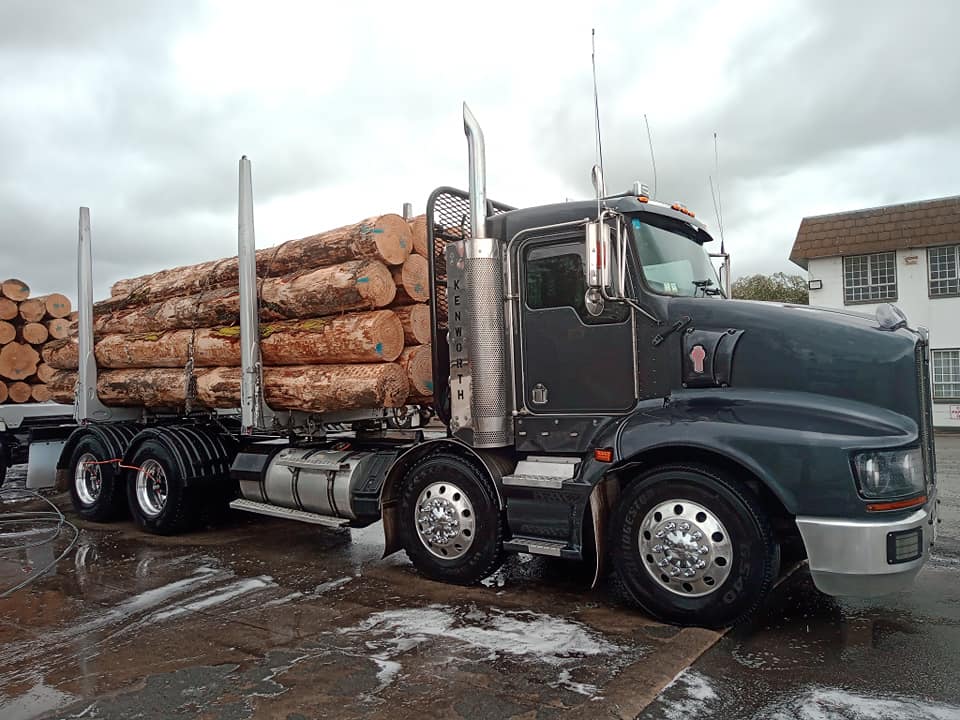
705 287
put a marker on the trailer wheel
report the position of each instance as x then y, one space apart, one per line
159 501
96 485
691 548
450 522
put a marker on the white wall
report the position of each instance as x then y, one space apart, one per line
941 316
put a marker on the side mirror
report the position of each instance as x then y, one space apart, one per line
606 258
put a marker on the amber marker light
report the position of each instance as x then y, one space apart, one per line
897 504
604 455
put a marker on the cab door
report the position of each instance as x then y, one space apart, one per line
571 362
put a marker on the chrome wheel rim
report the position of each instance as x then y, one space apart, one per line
151 488
445 520
685 548
87 479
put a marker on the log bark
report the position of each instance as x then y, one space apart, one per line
18 361
62 354
55 305
412 280
3 392
415 320
45 373
62 386
419 399
418 363
309 388
35 333
40 393
16 290
8 332
375 336
385 238
418 232
58 328
8 309
18 392
360 284
32 310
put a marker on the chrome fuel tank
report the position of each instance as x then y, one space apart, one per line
311 479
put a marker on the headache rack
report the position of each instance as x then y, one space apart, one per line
448 220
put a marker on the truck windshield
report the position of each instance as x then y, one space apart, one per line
673 263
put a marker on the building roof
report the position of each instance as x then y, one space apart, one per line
891 227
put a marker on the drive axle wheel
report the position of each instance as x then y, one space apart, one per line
96 488
450 523
692 548
159 501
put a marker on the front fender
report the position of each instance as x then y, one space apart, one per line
798 444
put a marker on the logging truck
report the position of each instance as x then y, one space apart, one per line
601 400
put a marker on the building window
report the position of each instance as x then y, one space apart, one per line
870 278
946 374
944 265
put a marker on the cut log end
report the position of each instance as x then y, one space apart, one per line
32 310
45 373
375 284
16 290
416 323
8 309
8 332
58 328
55 305
18 361
418 231
412 280
3 392
40 393
19 392
393 238
418 362
35 333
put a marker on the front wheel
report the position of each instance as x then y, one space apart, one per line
450 522
692 548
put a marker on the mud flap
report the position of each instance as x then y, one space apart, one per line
391 527
602 500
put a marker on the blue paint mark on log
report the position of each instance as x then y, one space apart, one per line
363 279
429 385
379 348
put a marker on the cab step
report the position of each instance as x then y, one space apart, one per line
540 546
288 513
542 472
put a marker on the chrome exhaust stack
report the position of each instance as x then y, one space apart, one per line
482 412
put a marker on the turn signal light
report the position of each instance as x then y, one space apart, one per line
897 504
604 455
643 198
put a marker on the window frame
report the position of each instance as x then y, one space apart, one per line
956 259
933 374
869 256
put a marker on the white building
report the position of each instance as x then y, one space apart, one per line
908 255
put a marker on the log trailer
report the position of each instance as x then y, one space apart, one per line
601 400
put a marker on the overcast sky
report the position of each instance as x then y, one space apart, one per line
141 111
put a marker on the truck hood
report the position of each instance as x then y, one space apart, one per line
814 350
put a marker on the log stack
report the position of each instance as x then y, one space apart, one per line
27 324
343 324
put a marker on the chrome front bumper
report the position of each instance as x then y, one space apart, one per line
850 557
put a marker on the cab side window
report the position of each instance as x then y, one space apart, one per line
556 277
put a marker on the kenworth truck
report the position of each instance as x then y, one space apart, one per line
602 401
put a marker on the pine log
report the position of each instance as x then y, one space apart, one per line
419 399
55 305
40 392
61 354
18 361
415 320
18 392
8 309
309 388
16 290
418 363
62 387
34 333
356 338
385 239
45 373
58 328
3 392
74 316
412 280
32 310
8 332
355 285
418 231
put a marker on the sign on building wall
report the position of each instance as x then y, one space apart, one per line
955 412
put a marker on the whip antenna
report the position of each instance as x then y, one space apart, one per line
718 201
653 160
596 112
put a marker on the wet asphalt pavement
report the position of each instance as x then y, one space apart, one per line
266 618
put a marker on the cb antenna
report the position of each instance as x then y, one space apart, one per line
653 160
717 200
598 182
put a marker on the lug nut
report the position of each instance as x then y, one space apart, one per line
660 535
685 526
671 525
697 535
658 548
704 549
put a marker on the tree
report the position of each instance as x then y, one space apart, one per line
778 287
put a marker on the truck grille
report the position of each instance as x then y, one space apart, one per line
922 358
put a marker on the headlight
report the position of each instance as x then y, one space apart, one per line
890 473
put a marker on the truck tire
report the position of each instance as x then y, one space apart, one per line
4 463
159 501
450 521
96 484
690 547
